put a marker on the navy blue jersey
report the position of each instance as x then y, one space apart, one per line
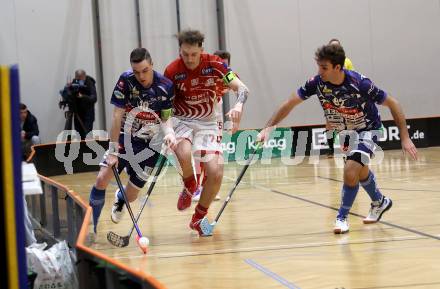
142 105
349 106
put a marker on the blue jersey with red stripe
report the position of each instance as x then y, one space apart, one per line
349 106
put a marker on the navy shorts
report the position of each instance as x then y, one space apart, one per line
138 158
360 146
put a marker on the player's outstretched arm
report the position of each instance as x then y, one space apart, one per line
399 119
285 108
242 94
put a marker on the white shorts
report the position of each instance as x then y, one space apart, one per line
204 135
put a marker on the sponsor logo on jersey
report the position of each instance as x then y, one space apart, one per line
327 105
118 94
141 113
180 76
207 70
194 82
196 99
210 82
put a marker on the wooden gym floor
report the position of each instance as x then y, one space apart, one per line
276 232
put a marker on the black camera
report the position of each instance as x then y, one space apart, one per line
70 92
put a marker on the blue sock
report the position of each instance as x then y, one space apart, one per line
370 186
348 196
96 201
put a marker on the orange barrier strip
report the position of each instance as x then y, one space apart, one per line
79 245
83 234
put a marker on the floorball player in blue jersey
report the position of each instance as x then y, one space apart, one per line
349 101
141 122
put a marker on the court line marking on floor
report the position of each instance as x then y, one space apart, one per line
399 286
271 274
336 209
272 248
390 189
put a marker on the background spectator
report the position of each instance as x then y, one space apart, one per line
29 131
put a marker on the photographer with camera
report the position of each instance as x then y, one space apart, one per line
79 96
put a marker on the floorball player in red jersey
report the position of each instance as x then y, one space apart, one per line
196 78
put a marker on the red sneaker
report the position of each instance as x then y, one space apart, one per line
184 201
195 225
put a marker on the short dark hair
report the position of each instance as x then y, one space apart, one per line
23 106
334 40
333 53
191 37
223 54
139 55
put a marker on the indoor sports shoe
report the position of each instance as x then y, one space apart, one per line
196 196
377 210
184 201
341 226
195 225
118 209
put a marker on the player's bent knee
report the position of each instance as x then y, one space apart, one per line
132 192
350 180
351 175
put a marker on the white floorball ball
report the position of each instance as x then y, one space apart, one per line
144 242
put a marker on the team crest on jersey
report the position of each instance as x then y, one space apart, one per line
180 76
326 90
134 93
207 70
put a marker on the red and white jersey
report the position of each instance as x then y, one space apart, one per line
197 92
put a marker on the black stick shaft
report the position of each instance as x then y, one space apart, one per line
121 188
150 189
243 171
